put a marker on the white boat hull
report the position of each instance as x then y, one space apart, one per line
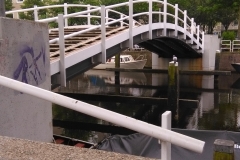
139 64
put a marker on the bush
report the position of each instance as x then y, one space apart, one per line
228 35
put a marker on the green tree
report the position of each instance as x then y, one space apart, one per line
8 5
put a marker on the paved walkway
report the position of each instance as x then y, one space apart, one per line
19 149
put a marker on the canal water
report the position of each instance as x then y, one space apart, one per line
206 102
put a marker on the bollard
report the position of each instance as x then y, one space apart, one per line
223 149
173 87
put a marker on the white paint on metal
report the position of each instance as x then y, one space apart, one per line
35 13
103 34
176 20
65 13
165 17
185 24
166 146
150 18
89 14
130 24
109 116
62 50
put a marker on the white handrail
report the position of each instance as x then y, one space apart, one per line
113 117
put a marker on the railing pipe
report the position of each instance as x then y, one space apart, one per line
130 24
65 13
103 34
106 19
89 14
165 17
176 20
106 115
62 50
121 23
150 19
35 13
185 23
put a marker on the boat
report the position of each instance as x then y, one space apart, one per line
126 62
236 66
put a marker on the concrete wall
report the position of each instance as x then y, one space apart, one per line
24 56
212 43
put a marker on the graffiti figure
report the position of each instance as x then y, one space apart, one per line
24 66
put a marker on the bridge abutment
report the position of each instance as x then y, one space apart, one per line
24 56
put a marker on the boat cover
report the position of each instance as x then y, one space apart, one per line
146 146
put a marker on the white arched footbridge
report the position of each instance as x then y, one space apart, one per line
77 48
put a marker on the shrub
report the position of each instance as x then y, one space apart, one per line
228 35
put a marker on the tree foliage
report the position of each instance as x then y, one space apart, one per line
8 5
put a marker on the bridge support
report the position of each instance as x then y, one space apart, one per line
24 56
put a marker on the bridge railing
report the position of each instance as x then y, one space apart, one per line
230 46
163 134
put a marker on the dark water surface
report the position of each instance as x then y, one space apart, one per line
213 102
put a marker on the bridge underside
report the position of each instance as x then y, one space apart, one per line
166 47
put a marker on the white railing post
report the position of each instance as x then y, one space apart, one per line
166 146
106 19
122 20
203 41
185 23
150 19
103 34
131 24
62 50
16 15
165 17
176 20
89 14
198 36
35 13
65 13
192 29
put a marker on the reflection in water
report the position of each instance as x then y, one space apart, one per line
213 104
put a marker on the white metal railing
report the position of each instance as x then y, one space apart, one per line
231 46
181 22
164 134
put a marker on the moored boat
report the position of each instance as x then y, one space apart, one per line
126 62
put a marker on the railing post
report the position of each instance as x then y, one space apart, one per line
65 13
150 19
122 20
185 23
203 41
62 50
106 19
103 34
223 149
192 29
176 20
166 146
89 14
160 15
198 36
165 17
130 24
35 13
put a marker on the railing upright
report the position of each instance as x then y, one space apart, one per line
89 15
185 24
35 13
165 18
203 41
130 24
192 30
106 19
62 50
103 34
150 19
176 20
65 13
166 146
198 36
121 16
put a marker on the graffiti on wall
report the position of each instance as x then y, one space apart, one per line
30 65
